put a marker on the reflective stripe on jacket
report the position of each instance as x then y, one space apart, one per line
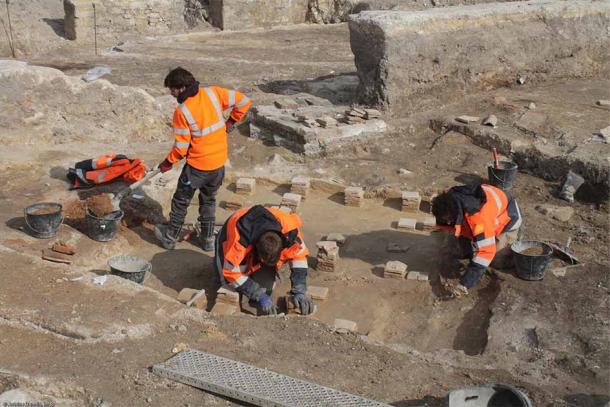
486 213
244 228
199 126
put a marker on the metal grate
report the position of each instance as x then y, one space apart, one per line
252 384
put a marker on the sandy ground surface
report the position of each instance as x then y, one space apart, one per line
84 344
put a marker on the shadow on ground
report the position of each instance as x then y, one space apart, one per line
427 401
184 268
421 252
339 89
471 335
57 24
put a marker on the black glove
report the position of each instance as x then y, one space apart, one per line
165 166
303 302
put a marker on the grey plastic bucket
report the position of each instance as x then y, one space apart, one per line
43 219
129 267
504 176
491 395
531 266
105 228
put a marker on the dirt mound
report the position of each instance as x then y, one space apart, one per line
44 106
75 209
100 205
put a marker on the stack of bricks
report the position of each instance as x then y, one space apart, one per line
292 201
245 186
353 196
355 115
395 269
300 185
328 256
234 203
371 114
410 201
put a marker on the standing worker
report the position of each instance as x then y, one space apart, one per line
485 220
200 132
252 246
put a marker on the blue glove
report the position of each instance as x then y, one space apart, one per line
265 305
303 303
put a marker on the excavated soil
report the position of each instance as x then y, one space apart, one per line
534 251
99 205
44 211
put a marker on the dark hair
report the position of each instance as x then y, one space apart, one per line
179 77
444 209
269 247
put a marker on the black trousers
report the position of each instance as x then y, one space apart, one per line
192 179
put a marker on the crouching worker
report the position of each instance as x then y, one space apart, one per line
252 246
485 220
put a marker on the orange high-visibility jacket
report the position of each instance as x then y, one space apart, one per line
104 169
243 229
199 127
485 213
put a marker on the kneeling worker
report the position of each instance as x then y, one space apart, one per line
253 245
484 219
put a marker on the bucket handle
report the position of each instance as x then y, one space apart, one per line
25 217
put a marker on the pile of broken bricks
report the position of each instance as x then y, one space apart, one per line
356 115
60 252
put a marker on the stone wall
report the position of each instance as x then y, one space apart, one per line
244 14
402 57
336 11
117 17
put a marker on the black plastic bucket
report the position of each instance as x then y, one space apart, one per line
105 228
531 266
43 219
504 176
129 267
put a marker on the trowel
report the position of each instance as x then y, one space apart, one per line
116 198
563 253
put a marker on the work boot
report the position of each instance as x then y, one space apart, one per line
206 236
167 235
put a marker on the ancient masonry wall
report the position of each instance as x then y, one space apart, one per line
116 17
446 52
244 14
